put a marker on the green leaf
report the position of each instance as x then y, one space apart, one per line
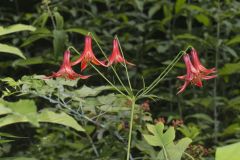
178 5
41 20
82 32
234 40
203 19
22 107
231 129
5 141
40 33
4 110
190 131
159 138
11 50
175 151
29 61
228 152
87 91
229 68
189 37
8 135
107 99
59 41
201 116
15 28
152 140
59 118
25 108
59 20
10 81
78 30
146 148
165 140
12 119
196 8
17 158
234 102
153 10
140 4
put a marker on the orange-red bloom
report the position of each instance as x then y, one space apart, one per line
87 55
66 70
116 56
197 64
195 72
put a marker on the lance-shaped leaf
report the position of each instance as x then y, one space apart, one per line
11 50
26 111
15 28
59 118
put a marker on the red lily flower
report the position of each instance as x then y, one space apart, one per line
197 64
66 70
88 55
116 56
194 75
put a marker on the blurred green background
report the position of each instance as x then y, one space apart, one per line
151 33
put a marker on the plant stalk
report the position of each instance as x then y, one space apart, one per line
133 100
215 107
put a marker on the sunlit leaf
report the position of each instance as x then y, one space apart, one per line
228 152
59 20
11 50
203 19
178 5
12 119
175 151
234 40
59 118
15 28
229 68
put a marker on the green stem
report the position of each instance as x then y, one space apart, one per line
71 47
189 155
115 72
51 16
164 73
93 146
215 107
133 100
108 81
125 66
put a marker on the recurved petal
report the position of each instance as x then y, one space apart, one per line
182 77
97 62
209 77
183 87
129 63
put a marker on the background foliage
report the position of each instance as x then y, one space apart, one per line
151 33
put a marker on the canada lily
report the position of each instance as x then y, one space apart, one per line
87 55
66 70
116 56
195 71
197 64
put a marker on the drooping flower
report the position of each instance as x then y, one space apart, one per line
87 55
197 64
194 75
66 70
191 73
116 56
